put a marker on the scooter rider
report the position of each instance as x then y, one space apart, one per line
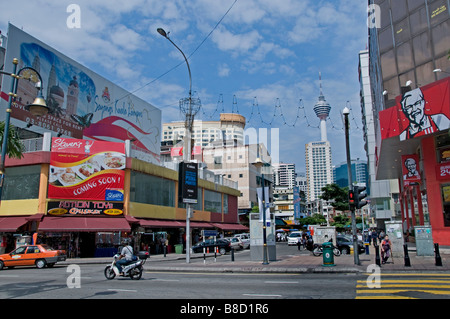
126 256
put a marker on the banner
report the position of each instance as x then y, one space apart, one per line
418 112
86 170
411 175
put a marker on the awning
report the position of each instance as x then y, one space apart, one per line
230 226
161 223
201 225
83 224
11 223
158 223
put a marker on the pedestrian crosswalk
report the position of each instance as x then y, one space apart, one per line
404 286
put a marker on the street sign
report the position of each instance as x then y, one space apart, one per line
209 233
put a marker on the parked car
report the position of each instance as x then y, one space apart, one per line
236 243
245 239
223 245
38 255
345 244
294 237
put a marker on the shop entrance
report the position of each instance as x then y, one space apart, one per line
87 244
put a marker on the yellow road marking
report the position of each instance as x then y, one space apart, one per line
394 291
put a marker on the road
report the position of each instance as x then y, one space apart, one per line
56 283
88 282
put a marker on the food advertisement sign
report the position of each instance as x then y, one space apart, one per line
82 104
86 170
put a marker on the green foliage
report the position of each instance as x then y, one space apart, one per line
15 146
336 196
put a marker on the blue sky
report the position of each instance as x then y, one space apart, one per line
271 50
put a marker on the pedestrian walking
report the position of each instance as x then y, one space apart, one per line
386 249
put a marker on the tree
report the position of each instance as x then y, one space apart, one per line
336 196
15 147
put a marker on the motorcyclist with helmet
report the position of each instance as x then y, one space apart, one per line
126 255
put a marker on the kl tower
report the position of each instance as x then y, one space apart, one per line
322 109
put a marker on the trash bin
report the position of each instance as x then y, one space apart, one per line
178 249
328 256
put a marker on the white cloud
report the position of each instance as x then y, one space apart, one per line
224 70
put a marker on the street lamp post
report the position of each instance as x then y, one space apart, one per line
346 112
193 107
37 108
260 164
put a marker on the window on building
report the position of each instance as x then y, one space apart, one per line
21 182
213 201
150 189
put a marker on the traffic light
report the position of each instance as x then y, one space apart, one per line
351 199
359 196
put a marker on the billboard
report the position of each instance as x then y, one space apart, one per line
86 170
422 111
81 103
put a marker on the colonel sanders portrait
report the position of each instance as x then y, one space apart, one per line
413 106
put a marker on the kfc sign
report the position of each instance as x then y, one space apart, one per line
418 112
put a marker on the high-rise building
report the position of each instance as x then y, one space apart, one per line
230 127
359 173
410 85
284 175
319 170
381 193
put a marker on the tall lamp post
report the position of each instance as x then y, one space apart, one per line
259 164
190 107
346 112
37 108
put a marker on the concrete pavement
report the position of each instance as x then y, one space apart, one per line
297 262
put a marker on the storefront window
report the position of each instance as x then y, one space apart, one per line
213 201
446 203
443 148
22 182
153 190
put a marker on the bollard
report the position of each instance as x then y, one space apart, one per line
165 249
367 247
407 261
232 254
377 255
437 255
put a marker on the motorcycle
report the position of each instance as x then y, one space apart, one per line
133 269
318 250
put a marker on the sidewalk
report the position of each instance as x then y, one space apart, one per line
299 262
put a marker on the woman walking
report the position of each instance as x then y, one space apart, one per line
386 247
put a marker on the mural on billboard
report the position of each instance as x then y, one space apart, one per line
86 170
81 103
418 112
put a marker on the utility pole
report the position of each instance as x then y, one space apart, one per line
189 107
346 112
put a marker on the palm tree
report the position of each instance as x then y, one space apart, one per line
15 146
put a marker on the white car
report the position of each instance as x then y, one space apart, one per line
245 238
294 237
236 243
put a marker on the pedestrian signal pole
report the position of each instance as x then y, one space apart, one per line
352 200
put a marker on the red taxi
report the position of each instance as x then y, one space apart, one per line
38 255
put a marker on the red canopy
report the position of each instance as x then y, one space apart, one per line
11 223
